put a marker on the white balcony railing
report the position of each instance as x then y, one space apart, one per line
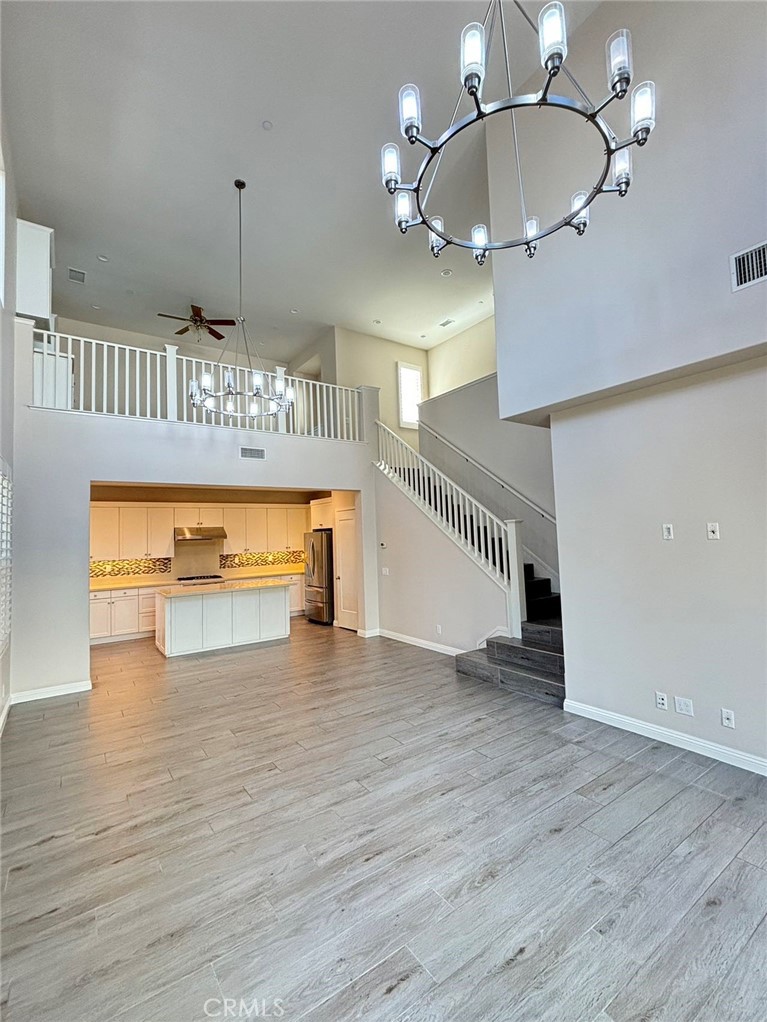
86 375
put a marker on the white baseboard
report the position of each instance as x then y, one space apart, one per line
369 634
121 638
722 753
4 713
411 640
52 690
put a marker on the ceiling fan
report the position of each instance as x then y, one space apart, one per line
197 321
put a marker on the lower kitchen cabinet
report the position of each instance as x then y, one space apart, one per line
119 612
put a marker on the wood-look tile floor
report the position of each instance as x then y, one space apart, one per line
344 829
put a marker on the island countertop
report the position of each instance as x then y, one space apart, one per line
177 591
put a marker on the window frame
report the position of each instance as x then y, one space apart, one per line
403 422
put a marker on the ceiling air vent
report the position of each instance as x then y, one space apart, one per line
748 267
253 453
447 322
78 276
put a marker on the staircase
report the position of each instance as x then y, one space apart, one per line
533 664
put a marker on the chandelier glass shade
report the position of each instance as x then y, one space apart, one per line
235 382
616 175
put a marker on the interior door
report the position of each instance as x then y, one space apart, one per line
345 557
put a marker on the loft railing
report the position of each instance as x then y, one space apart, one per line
86 375
493 544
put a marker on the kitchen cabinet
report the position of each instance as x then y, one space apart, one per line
105 533
160 522
296 593
211 516
134 540
258 539
236 527
217 621
297 526
321 513
190 517
117 612
277 528
146 620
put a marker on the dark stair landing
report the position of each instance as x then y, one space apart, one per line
533 665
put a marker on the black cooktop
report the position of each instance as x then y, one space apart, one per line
196 578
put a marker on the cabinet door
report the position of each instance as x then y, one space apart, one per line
320 513
246 616
236 525
216 620
100 618
297 592
275 613
258 541
186 517
211 516
185 625
125 615
134 545
277 528
297 526
160 522
105 533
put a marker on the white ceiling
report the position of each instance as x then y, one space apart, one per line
129 121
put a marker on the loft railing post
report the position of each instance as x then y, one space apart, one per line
282 419
368 417
515 593
171 384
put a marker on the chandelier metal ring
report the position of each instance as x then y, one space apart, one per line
499 107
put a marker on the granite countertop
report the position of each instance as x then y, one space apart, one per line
173 592
100 585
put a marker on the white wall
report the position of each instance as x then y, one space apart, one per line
430 582
686 617
518 454
647 289
468 356
57 456
372 361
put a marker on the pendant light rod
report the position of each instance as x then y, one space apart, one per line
513 118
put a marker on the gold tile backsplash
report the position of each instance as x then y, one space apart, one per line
260 559
145 566
164 565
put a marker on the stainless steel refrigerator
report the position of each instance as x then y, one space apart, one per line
318 576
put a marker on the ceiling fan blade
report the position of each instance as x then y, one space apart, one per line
166 316
222 322
183 329
197 312
215 333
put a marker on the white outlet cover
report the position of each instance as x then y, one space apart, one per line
728 718
668 530
661 701
712 530
682 705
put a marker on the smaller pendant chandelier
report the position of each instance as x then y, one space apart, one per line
410 200
240 386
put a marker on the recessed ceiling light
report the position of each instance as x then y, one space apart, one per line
481 301
294 312
447 273
377 322
102 258
267 125
130 291
95 306
423 337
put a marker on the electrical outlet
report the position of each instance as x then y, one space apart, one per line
384 571
661 701
439 629
712 530
668 531
683 706
728 718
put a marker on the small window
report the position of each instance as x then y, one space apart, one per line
410 388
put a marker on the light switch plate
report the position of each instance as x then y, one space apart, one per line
712 530
668 530
384 571
684 706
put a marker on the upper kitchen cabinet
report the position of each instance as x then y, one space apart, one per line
321 512
298 524
34 265
277 528
134 536
105 533
236 528
211 516
258 538
160 525
191 517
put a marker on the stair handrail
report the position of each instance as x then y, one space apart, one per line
491 475
438 471
494 545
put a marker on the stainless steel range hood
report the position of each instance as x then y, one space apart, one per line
198 533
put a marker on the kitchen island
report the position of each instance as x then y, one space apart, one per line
192 619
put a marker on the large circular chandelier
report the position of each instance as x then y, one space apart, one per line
410 200
244 394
